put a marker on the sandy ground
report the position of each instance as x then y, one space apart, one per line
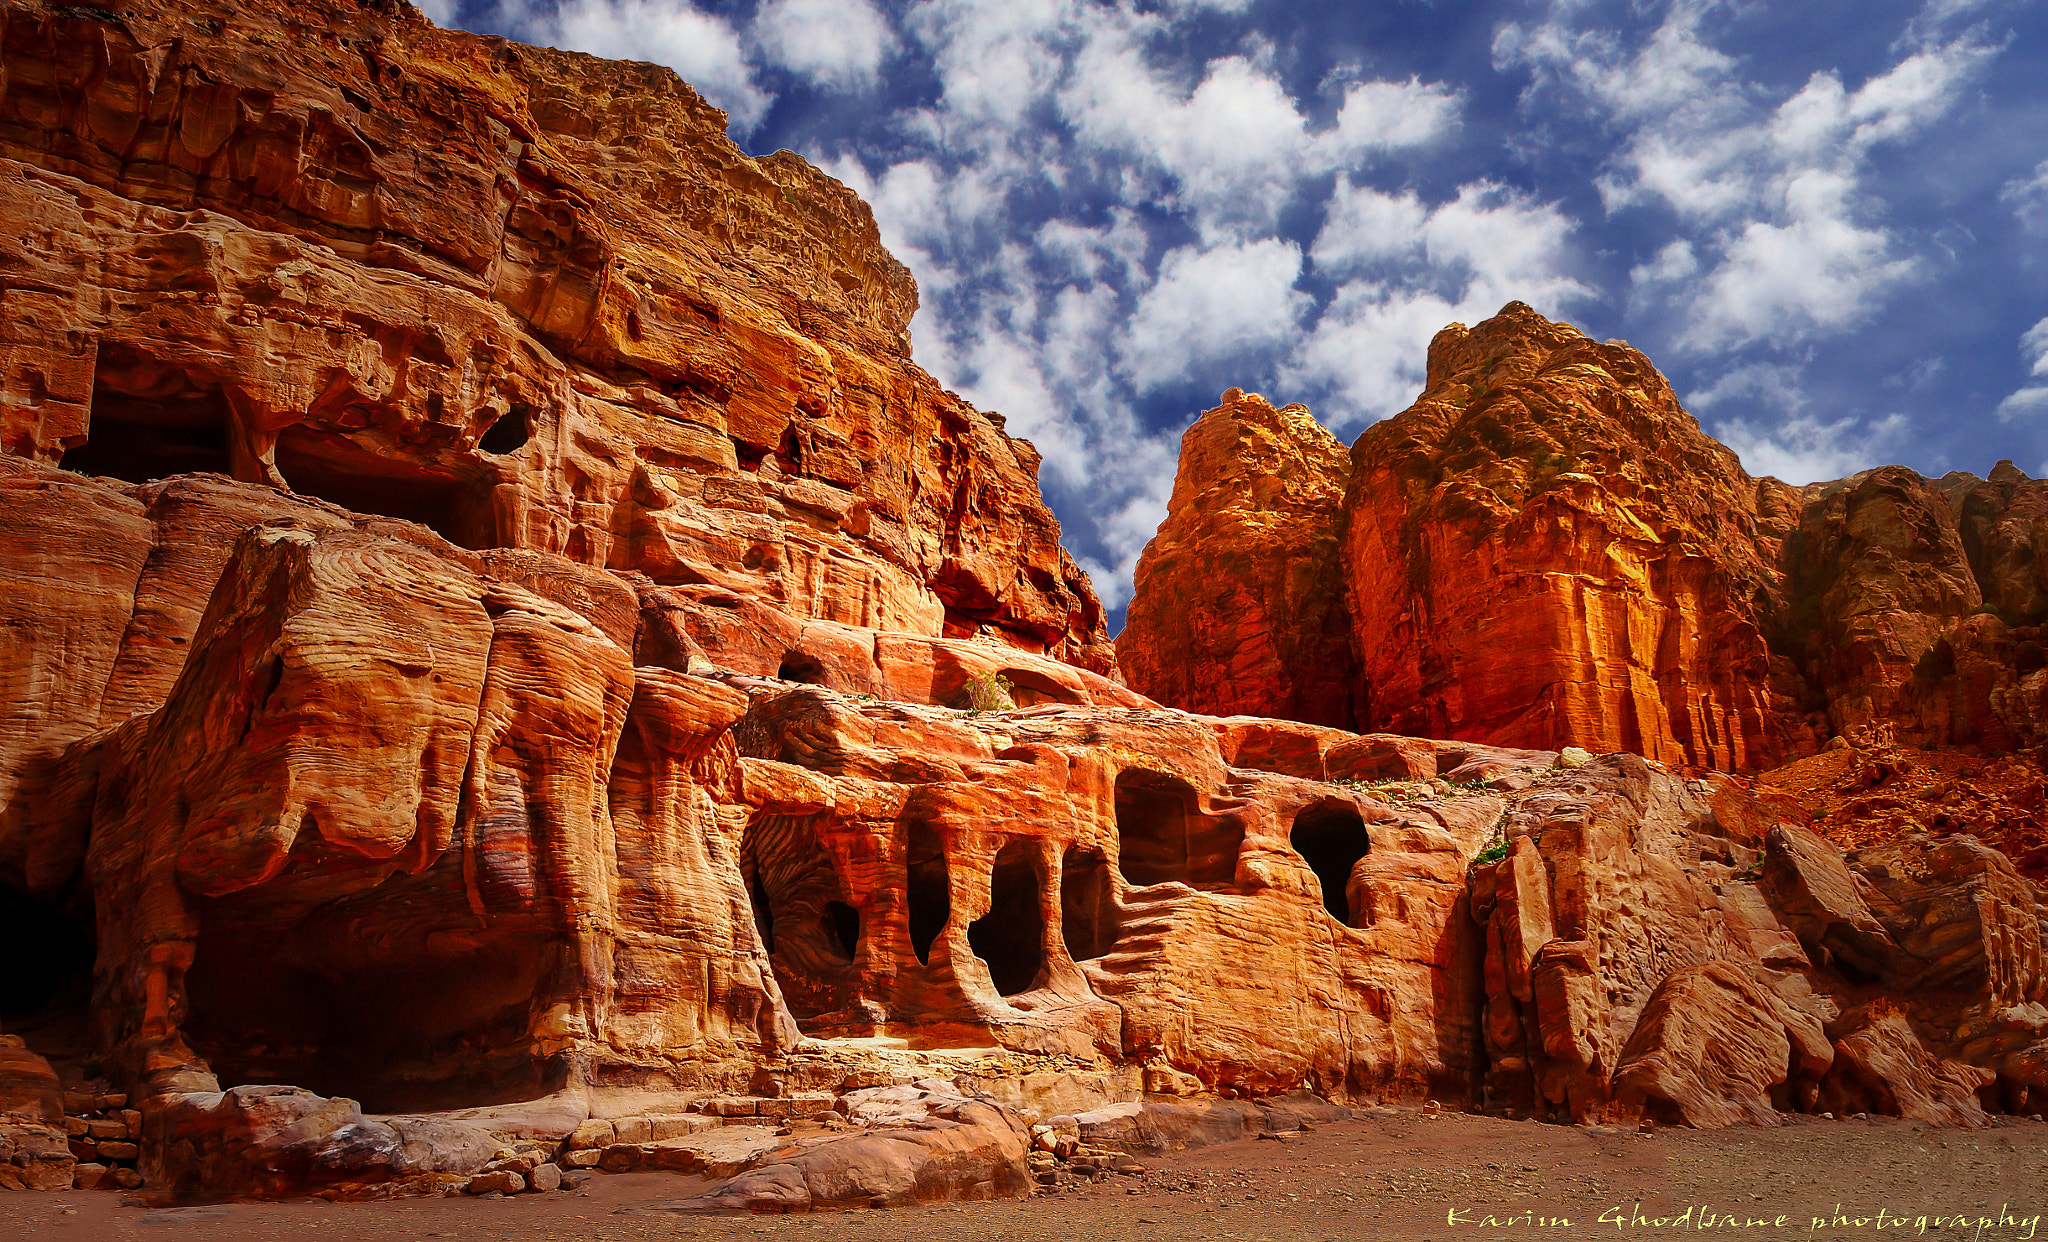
1398 1177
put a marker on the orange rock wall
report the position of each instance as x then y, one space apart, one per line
1546 550
1236 610
526 298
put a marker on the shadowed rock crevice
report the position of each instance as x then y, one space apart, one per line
336 469
927 889
800 904
149 424
1331 838
1164 838
510 432
315 1005
1088 911
1010 938
56 967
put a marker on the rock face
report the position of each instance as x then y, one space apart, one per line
1238 609
1678 959
454 802
525 298
1545 549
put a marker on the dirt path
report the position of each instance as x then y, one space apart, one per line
1397 1177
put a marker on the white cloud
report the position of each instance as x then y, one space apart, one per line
2034 347
1235 148
838 44
1774 385
1676 261
1390 115
703 48
2029 197
440 12
1410 271
1212 305
1804 449
1363 226
1788 240
2032 400
1813 273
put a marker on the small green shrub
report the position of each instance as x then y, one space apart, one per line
989 692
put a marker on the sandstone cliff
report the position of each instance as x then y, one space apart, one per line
512 670
1238 600
1545 549
525 298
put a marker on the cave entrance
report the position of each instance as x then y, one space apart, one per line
150 421
510 432
338 470
798 667
927 888
810 931
1162 837
1010 938
1088 913
390 994
1331 838
53 966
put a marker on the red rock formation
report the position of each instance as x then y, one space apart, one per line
418 273
33 1152
1651 952
724 734
1238 608
1545 549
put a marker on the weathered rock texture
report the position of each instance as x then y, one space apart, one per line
458 801
526 298
1239 605
1545 549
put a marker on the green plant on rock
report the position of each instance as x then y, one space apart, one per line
989 692
1497 846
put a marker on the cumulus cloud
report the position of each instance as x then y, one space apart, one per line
1235 148
1783 229
1805 449
1406 271
702 47
1212 305
837 44
2032 400
441 12
1769 424
2029 197
1094 218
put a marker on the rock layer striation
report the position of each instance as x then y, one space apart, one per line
513 671
1547 550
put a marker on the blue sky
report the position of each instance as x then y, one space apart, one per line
1826 221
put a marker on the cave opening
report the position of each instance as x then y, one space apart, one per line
808 928
764 913
1331 838
510 432
290 984
1162 836
1088 912
928 889
844 927
336 469
57 968
151 422
798 667
1010 938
